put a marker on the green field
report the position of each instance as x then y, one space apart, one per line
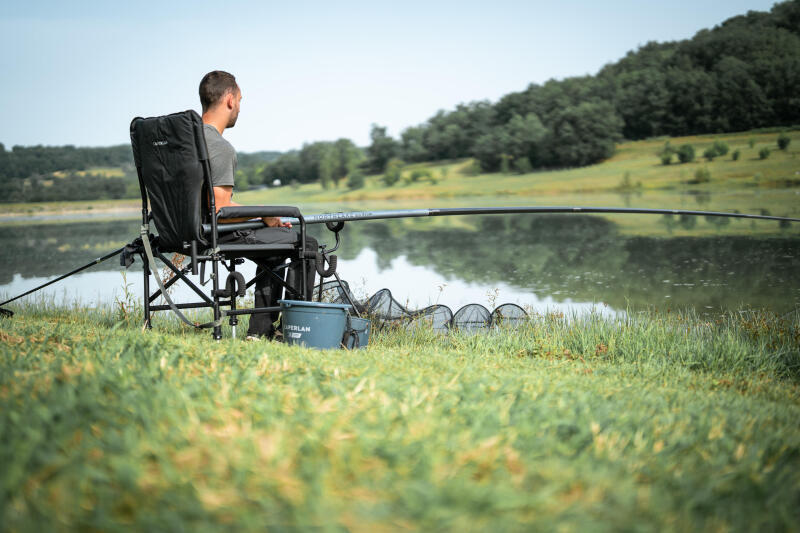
650 423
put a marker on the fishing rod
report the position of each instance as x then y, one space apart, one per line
6 312
434 212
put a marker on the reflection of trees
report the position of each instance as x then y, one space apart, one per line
584 258
52 249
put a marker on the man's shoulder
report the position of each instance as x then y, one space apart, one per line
216 141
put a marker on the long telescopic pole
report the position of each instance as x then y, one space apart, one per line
412 213
84 267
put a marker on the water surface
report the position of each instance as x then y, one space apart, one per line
570 263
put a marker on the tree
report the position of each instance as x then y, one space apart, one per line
413 144
489 147
741 103
382 149
783 141
720 147
327 165
356 180
348 156
702 175
393 172
582 135
524 136
686 153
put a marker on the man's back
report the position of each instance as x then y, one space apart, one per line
222 157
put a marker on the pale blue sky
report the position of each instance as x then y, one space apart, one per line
78 72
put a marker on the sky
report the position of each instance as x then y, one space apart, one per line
77 72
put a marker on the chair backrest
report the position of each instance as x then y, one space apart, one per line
172 162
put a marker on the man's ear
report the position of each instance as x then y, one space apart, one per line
229 100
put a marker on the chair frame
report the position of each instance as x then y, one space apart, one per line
229 255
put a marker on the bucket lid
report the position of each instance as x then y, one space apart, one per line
301 303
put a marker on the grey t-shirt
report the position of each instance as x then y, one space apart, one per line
222 157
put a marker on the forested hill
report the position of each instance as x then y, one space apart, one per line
742 74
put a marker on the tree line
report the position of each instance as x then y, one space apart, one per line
51 173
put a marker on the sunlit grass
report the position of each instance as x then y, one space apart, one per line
651 421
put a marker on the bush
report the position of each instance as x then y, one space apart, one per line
686 153
783 141
751 143
721 148
702 175
710 153
523 165
420 175
355 180
735 155
393 172
763 153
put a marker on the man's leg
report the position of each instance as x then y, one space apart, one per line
268 290
295 273
261 324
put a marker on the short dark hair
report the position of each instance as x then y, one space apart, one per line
213 87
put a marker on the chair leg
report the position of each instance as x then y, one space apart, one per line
217 333
146 270
233 320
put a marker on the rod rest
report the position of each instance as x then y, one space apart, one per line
319 260
234 284
332 259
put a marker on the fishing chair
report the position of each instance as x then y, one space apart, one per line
175 176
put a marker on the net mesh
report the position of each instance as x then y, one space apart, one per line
385 309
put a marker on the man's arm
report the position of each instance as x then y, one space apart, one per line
222 198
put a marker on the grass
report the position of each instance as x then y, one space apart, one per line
651 422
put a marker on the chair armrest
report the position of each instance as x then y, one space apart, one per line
258 211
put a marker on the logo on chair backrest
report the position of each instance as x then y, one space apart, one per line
159 143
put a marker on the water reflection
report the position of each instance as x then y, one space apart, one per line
562 262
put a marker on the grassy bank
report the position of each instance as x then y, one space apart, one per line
634 171
655 422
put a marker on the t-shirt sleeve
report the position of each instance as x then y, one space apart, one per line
223 165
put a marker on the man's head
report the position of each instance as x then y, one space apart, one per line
219 93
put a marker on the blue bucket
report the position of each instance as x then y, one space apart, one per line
357 333
314 324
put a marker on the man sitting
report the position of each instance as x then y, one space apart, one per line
220 98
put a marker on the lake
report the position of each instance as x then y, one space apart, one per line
567 263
